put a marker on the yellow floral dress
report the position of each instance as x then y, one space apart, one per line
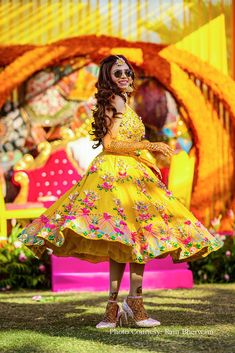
121 210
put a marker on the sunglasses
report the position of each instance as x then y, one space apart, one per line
128 73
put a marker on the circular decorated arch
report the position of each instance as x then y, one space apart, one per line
183 75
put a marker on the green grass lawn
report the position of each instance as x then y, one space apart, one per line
192 320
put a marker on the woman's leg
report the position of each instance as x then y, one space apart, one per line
136 278
116 270
134 300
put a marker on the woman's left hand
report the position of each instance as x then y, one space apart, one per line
159 147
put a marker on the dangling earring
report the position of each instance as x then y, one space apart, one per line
129 89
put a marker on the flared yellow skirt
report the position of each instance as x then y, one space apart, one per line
121 210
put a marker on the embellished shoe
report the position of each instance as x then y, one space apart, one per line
112 317
134 311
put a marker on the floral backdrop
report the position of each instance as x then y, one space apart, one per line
175 70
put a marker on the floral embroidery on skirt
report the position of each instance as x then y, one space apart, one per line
119 209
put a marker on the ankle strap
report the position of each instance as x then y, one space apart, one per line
134 296
112 301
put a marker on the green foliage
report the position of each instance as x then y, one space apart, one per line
218 267
19 268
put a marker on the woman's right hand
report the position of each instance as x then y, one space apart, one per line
118 103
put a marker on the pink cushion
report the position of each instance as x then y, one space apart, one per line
48 183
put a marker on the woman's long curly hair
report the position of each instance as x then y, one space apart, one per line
105 90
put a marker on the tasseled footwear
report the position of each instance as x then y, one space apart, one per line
112 315
134 311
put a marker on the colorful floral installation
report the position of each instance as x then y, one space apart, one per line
170 72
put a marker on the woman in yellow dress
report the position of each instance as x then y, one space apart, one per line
120 211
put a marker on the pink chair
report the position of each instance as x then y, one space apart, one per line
49 181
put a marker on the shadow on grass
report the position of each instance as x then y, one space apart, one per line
77 318
25 348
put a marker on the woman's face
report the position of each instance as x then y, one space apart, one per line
120 74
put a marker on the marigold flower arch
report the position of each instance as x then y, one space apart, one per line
171 67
